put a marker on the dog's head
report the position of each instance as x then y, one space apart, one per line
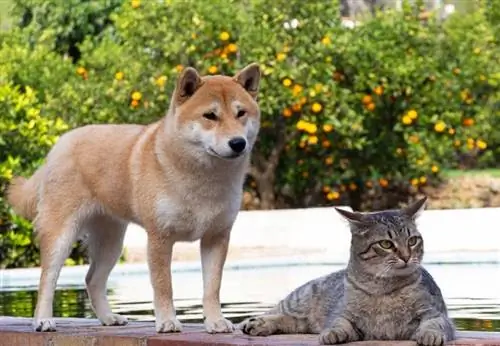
218 115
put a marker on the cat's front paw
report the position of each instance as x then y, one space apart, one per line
430 337
257 326
333 336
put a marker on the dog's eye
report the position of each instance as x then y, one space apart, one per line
210 116
241 113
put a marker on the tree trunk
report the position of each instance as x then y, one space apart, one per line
267 195
263 168
265 187
355 199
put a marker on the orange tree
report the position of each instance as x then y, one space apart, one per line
351 113
346 112
472 53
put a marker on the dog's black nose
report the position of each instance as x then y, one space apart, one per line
238 144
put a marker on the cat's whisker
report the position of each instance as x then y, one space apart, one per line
415 261
384 271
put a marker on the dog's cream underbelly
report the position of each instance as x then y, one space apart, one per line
188 221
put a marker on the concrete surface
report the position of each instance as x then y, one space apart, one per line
450 235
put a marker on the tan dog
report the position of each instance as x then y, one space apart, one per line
180 178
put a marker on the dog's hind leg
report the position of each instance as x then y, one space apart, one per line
105 243
57 236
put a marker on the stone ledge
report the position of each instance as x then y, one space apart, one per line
88 332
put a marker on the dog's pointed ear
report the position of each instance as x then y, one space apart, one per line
249 79
414 210
188 82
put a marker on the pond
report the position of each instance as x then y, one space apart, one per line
472 292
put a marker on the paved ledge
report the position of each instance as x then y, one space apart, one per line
88 332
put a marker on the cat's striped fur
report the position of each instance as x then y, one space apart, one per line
383 294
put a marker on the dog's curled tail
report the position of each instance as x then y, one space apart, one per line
22 195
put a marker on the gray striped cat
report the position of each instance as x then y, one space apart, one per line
383 294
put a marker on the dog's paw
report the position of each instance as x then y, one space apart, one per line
257 326
430 337
219 326
333 336
44 325
113 320
168 326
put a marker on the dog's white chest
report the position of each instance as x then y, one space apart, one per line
188 220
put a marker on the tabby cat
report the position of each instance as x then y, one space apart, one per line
383 294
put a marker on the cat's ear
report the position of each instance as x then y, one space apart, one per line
353 217
414 210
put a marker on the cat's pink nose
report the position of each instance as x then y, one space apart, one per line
405 256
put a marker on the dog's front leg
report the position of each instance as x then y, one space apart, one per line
213 250
159 261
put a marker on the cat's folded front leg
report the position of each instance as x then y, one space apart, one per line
342 331
435 331
274 324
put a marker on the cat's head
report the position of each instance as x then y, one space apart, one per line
386 243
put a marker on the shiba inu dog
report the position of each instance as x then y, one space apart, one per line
181 178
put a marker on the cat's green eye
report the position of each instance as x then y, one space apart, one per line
386 244
412 241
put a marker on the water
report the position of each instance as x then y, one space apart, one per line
471 291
